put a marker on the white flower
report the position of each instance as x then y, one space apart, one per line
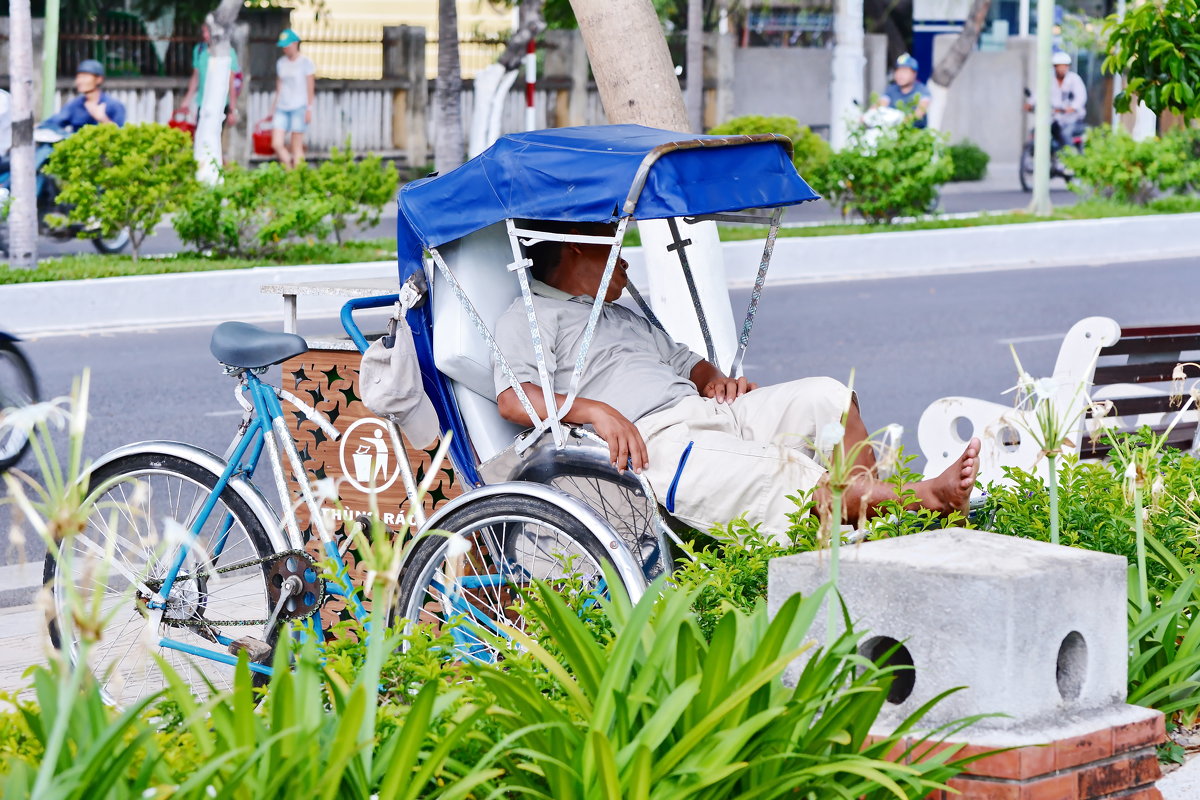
1043 389
26 418
458 545
325 489
830 435
1157 487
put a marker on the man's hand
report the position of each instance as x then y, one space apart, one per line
98 110
231 117
308 116
625 443
726 390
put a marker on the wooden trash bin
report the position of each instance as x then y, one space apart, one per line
327 378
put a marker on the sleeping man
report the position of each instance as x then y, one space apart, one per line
712 447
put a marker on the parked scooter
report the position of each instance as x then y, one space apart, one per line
1057 168
48 207
18 388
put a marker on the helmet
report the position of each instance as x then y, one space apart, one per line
91 66
287 36
1060 57
907 61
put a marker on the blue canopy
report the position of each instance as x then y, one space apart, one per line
597 174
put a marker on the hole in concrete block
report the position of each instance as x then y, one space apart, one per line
1009 439
963 428
894 654
1071 669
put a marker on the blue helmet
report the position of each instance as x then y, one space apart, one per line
91 66
907 60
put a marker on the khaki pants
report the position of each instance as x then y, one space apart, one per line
711 462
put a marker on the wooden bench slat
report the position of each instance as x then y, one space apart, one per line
1152 344
1181 438
1156 372
1159 330
1127 406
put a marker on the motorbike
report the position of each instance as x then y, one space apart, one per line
49 211
1057 168
18 388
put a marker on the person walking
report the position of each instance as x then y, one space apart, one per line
295 92
195 88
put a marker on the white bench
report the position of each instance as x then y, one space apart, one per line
1097 362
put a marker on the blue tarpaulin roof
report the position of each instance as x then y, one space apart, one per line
586 174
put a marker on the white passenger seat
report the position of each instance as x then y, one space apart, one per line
480 263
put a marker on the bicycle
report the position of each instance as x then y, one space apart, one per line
224 573
18 388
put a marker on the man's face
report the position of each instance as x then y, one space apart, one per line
205 34
86 82
292 50
904 77
1060 70
588 262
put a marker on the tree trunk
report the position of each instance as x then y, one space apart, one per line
631 63
946 70
22 211
209 159
447 95
695 64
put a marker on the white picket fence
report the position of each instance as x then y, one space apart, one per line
363 115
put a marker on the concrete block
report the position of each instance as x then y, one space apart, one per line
1033 631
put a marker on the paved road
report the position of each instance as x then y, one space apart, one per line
994 195
909 340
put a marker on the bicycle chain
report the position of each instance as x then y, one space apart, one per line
317 587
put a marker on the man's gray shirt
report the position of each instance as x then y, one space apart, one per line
631 365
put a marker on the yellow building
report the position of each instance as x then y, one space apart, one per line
340 43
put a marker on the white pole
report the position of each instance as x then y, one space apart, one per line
848 64
1023 19
1118 79
1041 113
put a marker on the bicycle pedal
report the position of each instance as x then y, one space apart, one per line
258 650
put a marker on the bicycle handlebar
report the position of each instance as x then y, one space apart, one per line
357 304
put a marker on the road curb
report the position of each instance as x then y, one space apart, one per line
148 301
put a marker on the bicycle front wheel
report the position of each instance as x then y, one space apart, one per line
145 521
471 582
18 388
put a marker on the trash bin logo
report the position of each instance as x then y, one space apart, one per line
366 456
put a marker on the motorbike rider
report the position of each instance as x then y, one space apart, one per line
93 106
1068 101
905 90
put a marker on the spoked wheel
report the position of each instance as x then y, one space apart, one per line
472 580
18 388
144 507
1026 168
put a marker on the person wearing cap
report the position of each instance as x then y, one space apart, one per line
195 86
906 91
93 106
1068 99
295 93
713 447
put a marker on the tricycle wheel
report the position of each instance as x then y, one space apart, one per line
471 583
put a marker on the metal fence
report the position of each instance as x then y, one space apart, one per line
126 46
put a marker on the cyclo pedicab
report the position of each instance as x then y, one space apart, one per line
538 502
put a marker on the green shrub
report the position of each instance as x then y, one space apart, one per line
1177 167
357 190
809 151
1114 166
889 172
254 212
970 161
124 178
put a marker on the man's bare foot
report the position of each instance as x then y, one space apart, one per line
951 491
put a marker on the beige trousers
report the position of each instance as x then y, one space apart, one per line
711 462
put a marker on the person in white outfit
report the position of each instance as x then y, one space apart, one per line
1068 100
295 95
